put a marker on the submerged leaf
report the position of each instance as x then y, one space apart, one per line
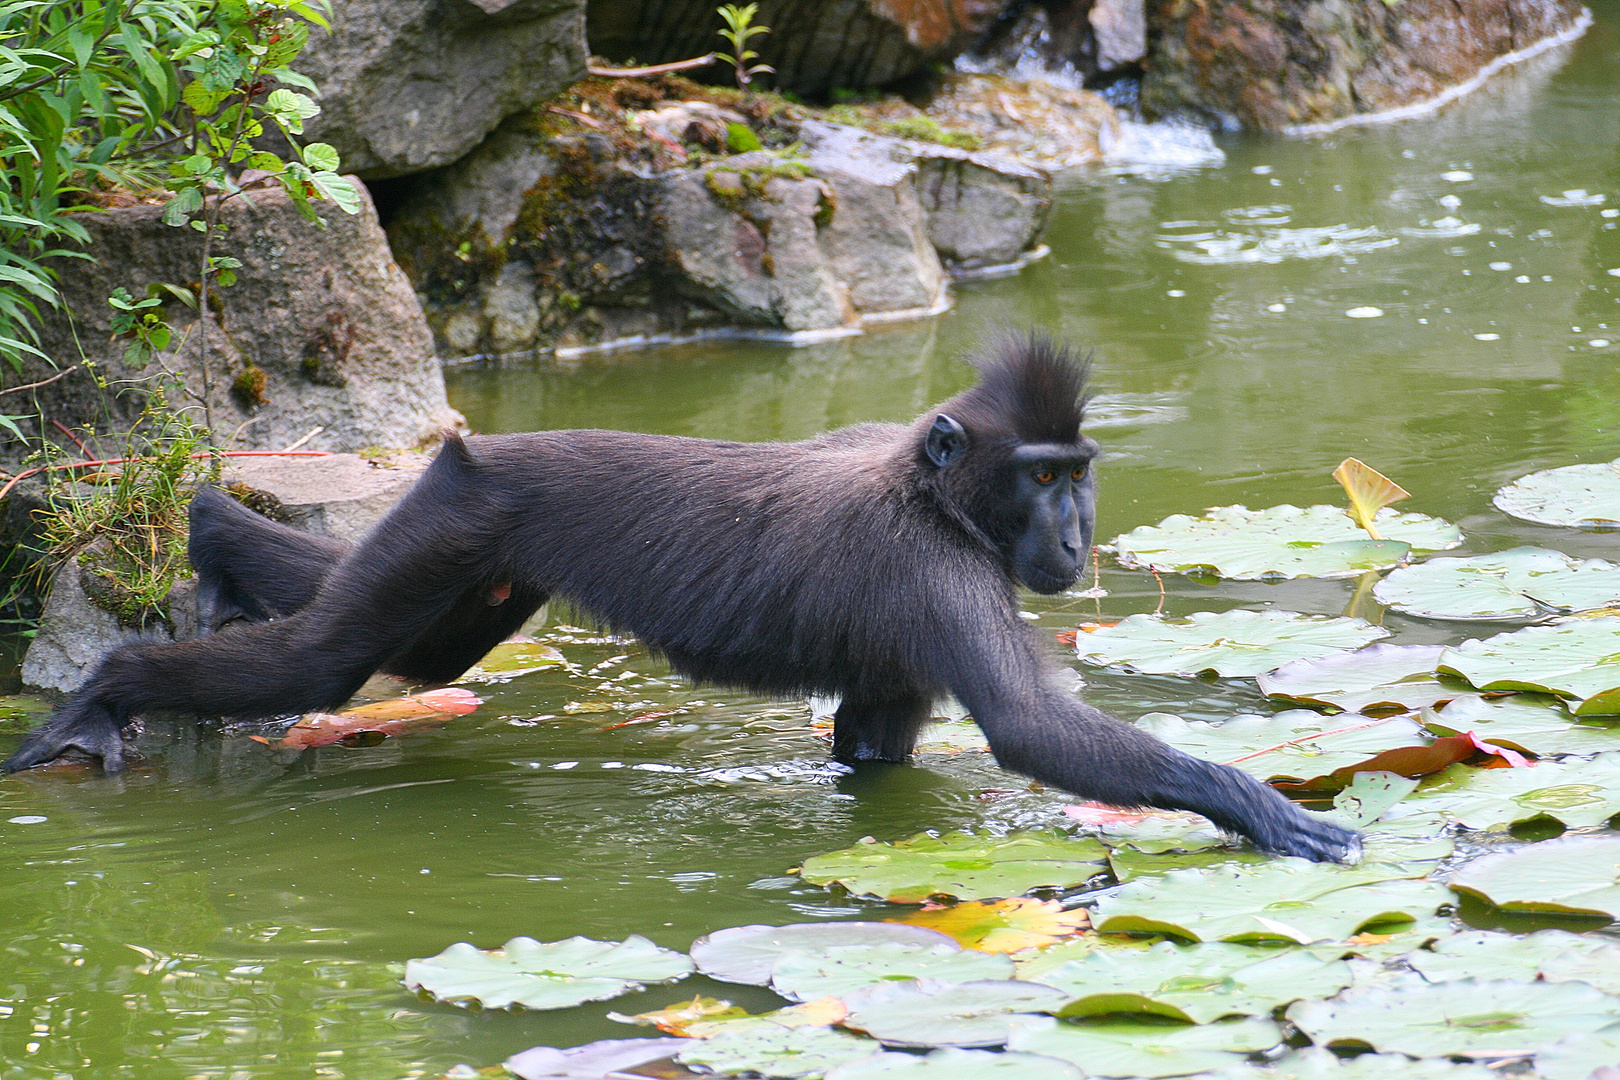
1577 875
549 975
1232 644
514 657
961 865
1369 491
395 716
1576 496
1002 926
675 1019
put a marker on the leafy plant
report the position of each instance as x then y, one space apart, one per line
740 29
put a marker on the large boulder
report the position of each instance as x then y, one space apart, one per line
321 330
1270 65
409 85
816 48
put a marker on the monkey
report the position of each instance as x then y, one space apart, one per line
878 563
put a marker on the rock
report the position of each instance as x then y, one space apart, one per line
409 85
340 496
323 314
1270 65
1120 30
1033 121
815 48
74 633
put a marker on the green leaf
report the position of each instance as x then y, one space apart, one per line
756 1045
830 972
747 954
930 1012
1575 496
1546 955
1411 1016
1232 644
1146 1050
949 1063
202 100
1282 900
1574 875
186 201
1193 984
1314 1063
1298 746
1574 793
338 189
1578 1057
321 157
1529 723
1378 679
551 975
963 865
1578 659
1280 542
290 108
1520 583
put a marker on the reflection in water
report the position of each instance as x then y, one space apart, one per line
227 910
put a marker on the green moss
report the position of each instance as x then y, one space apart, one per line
248 386
740 139
927 129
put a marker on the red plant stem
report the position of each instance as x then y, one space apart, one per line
1313 738
60 427
656 69
26 473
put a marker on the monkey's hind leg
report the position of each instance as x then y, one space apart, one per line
868 730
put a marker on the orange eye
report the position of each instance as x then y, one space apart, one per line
1079 472
1045 476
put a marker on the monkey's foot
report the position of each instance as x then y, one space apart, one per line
98 735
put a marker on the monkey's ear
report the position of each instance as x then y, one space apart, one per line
947 441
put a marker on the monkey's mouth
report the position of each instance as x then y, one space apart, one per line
1047 583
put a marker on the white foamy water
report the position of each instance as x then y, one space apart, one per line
1159 147
1273 244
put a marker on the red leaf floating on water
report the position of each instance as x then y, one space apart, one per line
396 716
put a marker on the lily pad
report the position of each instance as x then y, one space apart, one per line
1577 875
1411 1016
1151 831
1576 496
950 1063
1299 746
1232 644
1574 793
1281 542
951 737
550 975
747 954
1529 723
1546 955
1002 926
509 659
806 976
1520 583
1578 659
963 865
1314 1063
928 1012
1281 900
1194 983
1578 1057
591 1061
757 1045
1147 1050
1377 679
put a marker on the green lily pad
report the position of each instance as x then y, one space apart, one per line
1033 963
1280 542
1520 583
1298 746
1379 678
1385 946
928 1012
1146 1050
1575 875
1151 831
747 954
510 659
963 865
806 976
1411 1016
1529 723
1574 793
757 1045
1283 899
1577 1057
1314 1063
1232 644
591 1061
1576 496
950 1063
550 975
951 737
1578 659
1194 983
1546 955
1128 864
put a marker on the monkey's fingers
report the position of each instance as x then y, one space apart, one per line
98 736
1309 838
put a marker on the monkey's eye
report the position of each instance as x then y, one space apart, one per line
1079 472
1045 476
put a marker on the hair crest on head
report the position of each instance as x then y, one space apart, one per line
1031 389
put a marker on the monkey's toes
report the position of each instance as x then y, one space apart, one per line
99 738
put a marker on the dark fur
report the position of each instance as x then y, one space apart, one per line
850 564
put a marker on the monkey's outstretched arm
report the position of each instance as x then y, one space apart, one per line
1044 732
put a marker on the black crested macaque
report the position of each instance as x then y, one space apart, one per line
878 563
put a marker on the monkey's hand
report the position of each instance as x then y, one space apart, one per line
1238 803
76 726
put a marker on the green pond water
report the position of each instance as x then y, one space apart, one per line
227 910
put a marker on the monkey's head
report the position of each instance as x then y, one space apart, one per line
1008 455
